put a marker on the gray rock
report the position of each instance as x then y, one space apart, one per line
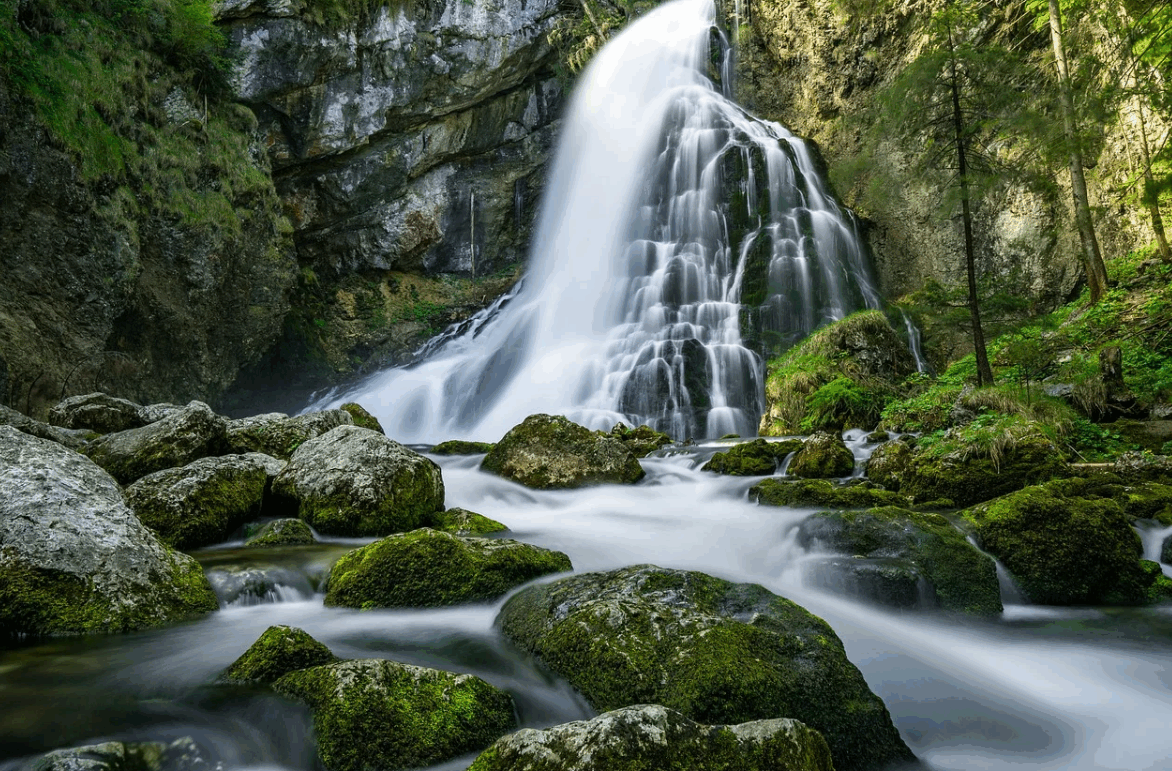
654 737
355 482
73 439
97 412
180 755
550 452
186 436
203 502
153 413
238 585
73 558
279 435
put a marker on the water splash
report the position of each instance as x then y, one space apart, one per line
680 240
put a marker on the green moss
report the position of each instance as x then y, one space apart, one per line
822 456
755 458
278 651
381 714
464 522
458 447
188 515
552 452
641 441
822 493
362 418
427 568
282 532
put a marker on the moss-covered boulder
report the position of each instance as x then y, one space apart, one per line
279 435
97 412
460 447
73 558
822 493
550 451
718 652
641 441
282 532
184 437
889 463
1065 550
650 736
382 714
427 568
464 522
183 754
352 481
277 652
749 459
841 376
1147 500
203 502
982 460
361 417
822 456
1142 467
921 546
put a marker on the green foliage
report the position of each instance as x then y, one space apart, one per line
842 403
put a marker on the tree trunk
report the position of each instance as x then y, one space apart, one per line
1092 258
984 371
1149 180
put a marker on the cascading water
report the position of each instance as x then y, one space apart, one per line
680 239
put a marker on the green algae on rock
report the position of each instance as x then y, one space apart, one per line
374 713
822 493
183 437
464 522
650 736
282 532
921 545
822 456
277 652
361 417
427 568
755 458
552 452
73 558
718 652
352 481
460 447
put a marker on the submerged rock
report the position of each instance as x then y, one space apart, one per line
550 451
238 585
822 493
382 714
279 435
718 652
756 458
460 447
352 481
184 437
464 522
822 456
73 558
180 755
203 502
905 547
426 568
653 737
98 412
282 532
277 652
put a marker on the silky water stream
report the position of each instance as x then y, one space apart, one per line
1037 689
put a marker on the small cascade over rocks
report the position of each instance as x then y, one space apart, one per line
681 240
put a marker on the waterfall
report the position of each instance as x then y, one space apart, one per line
680 241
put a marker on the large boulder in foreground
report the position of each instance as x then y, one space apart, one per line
822 456
892 545
277 652
650 736
1066 550
552 452
73 558
203 502
278 435
718 652
373 713
184 437
352 481
427 568
97 412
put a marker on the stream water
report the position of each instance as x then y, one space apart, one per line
1040 688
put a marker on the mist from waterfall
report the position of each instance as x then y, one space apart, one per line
679 240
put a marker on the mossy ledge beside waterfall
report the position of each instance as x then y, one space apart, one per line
680 240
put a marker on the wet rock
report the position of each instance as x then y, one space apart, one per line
889 464
823 455
203 502
641 441
919 546
654 737
459 447
382 714
282 532
1141 467
98 412
279 435
427 568
822 493
73 558
755 458
1064 550
464 522
180 755
184 437
361 417
238 586
352 481
277 652
550 451
715 651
